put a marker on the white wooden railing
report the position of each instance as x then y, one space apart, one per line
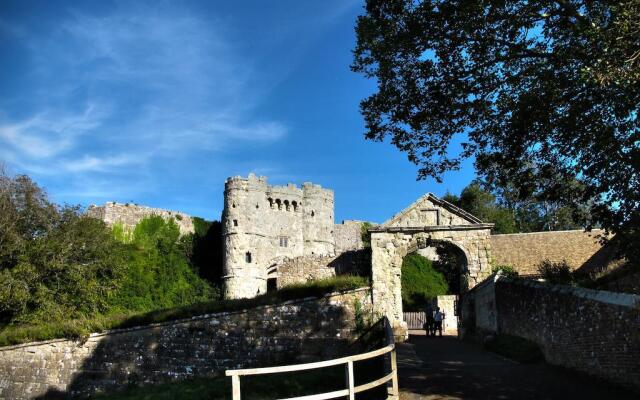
349 391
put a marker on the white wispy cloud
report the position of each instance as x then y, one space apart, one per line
176 83
49 133
113 98
103 164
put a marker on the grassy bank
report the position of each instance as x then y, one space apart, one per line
79 328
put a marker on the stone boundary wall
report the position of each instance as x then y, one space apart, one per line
130 214
525 251
477 309
293 331
596 332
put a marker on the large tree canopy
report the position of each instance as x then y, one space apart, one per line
545 95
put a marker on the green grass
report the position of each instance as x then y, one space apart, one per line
79 328
252 387
515 348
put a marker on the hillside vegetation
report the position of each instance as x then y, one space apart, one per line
420 282
63 274
57 264
80 327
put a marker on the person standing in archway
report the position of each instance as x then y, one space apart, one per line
438 317
429 323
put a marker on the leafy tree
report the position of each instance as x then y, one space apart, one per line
542 94
159 273
57 264
365 235
204 248
25 214
72 271
511 216
482 203
420 282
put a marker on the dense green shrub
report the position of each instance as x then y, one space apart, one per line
205 249
506 270
159 274
63 274
121 233
556 272
365 234
74 328
72 270
56 264
420 282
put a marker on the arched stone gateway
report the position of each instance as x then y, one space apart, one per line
427 221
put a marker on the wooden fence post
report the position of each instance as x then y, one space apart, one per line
350 380
235 387
394 371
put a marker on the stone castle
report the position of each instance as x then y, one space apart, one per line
264 224
274 236
288 234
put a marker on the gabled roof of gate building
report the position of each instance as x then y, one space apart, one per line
428 207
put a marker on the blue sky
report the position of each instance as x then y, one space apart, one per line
158 102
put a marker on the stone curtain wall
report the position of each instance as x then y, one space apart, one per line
295 331
592 331
525 251
348 236
303 269
130 214
308 268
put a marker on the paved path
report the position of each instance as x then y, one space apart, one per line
447 368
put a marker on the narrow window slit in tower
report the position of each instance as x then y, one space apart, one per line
247 257
235 222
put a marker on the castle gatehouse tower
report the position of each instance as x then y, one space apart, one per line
262 224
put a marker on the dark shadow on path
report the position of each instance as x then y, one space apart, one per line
448 368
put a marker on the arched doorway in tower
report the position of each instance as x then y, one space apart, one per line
272 278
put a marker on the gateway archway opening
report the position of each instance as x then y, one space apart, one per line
432 275
428 222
